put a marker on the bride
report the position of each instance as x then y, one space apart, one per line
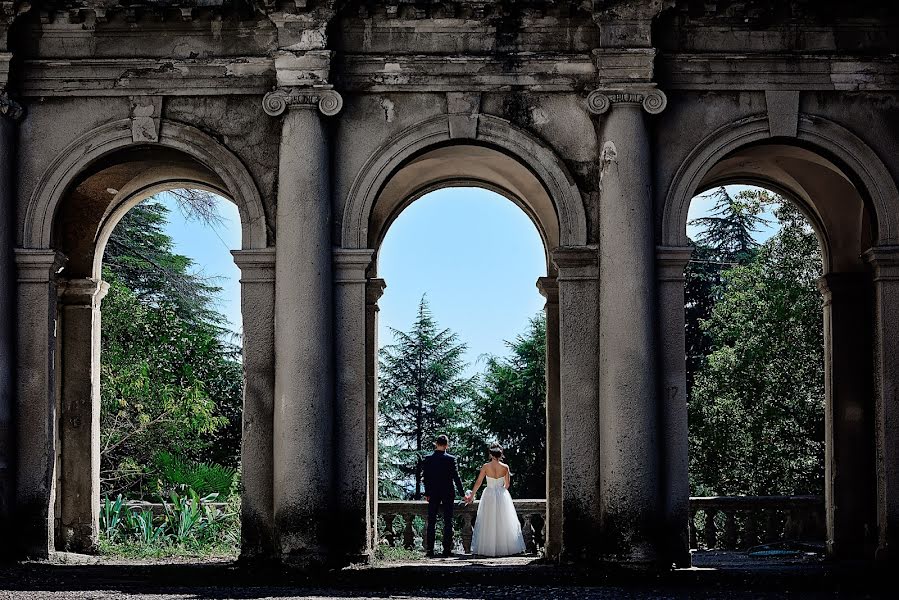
496 529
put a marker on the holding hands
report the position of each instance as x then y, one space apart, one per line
469 497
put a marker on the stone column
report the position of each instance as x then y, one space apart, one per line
885 261
257 303
373 291
849 428
579 404
549 288
350 405
10 112
629 436
303 409
36 400
670 265
79 425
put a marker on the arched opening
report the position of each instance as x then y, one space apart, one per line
171 380
461 307
845 209
755 375
75 210
498 157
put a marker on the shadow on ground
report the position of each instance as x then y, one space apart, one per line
714 575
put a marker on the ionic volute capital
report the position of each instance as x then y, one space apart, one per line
653 100
326 99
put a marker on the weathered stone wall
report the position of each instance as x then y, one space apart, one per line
284 105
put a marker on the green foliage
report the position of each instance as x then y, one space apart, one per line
204 478
385 553
111 517
146 532
756 408
512 408
190 525
423 393
732 222
170 380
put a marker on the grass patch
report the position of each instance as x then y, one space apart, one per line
129 549
385 553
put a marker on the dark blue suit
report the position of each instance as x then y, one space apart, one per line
439 472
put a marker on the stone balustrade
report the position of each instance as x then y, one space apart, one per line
398 527
741 522
720 522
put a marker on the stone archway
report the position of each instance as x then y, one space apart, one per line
493 154
80 198
846 193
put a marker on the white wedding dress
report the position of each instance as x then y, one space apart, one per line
497 531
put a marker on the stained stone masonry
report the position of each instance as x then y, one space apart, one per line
322 119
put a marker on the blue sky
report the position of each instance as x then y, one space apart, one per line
474 254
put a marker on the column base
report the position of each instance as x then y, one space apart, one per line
306 562
78 538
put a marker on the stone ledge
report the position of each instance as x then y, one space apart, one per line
768 71
129 76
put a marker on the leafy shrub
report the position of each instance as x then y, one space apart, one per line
190 524
203 478
111 517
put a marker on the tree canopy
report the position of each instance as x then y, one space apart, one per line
756 406
171 381
423 393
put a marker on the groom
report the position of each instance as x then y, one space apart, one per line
439 473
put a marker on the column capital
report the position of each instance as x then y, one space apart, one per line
374 289
671 262
350 264
323 97
885 260
843 285
549 289
653 100
576 262
84 292
256 265
38 266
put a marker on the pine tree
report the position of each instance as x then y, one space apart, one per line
726 240
733 221
512 407
423 392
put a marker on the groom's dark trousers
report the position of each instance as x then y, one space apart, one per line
437 505
439 473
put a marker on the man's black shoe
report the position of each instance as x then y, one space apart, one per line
429 554
446 554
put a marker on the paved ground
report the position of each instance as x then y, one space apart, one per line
714 576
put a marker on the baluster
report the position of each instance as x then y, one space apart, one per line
528 533
791 527
409 533
730 530
467 530
694 540
389 534
539 532
771 533
710 532
751 535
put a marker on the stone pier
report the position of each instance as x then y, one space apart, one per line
629 454
322 121
79 423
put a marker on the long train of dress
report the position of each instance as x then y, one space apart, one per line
497 531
